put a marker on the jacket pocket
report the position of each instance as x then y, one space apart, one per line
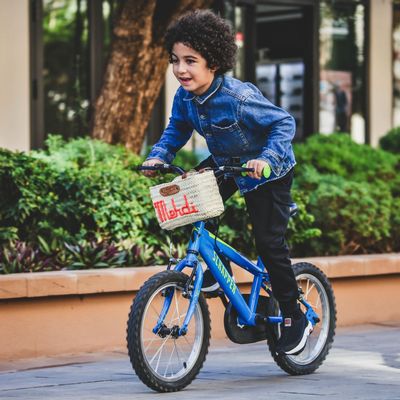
231 138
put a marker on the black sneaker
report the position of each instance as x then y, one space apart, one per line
295 330
210 285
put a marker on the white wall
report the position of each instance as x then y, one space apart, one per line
14 75
380 78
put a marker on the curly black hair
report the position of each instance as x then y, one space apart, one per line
206 33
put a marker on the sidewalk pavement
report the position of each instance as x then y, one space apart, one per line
364 363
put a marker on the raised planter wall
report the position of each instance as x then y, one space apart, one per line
53 313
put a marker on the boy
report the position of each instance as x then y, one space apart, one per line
238 124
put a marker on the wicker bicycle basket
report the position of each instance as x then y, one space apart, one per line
187 200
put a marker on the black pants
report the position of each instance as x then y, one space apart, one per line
268 208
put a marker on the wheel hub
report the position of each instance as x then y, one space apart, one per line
164 331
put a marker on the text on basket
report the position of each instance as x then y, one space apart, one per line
165 214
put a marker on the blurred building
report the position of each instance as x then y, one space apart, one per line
333 64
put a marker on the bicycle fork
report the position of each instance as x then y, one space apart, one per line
176 331
191 260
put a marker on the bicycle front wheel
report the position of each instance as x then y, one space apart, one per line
317 291
164 361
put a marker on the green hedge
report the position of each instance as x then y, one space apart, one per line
80 204
354 193
391 141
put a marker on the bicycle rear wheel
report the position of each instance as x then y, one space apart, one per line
317 291
164 361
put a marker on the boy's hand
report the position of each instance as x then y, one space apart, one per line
258 166
149 163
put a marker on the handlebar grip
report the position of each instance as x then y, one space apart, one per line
266 170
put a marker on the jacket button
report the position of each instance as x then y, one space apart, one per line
202 116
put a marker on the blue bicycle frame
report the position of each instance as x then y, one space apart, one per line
208 246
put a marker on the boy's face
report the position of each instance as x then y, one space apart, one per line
191 70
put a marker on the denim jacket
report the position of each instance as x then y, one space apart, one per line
236 120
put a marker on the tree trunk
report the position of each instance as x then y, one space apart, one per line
136 70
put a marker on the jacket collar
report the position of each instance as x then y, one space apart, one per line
216 83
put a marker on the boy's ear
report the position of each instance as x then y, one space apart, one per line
214 69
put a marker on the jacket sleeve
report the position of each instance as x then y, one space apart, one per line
175 135
259 115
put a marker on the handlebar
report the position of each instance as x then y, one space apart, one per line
223 170
234 170
161 168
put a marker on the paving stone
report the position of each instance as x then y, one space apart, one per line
364 363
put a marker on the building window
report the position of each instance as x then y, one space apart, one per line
281 58
65 67
342 68
70 45
70 41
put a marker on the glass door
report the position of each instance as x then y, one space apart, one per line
343 89
282 58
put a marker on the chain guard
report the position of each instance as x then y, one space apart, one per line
249 334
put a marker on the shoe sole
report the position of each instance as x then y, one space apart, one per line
300 347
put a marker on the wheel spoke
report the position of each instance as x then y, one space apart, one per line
178 318
318 305
177 353
186 340
151 342
169 361
160 349
158 314
149 331
153 338
159 358
309 289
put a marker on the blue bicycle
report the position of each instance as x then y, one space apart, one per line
168 329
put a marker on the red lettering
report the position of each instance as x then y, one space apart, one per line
163 213
174 212
185 208
158 205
